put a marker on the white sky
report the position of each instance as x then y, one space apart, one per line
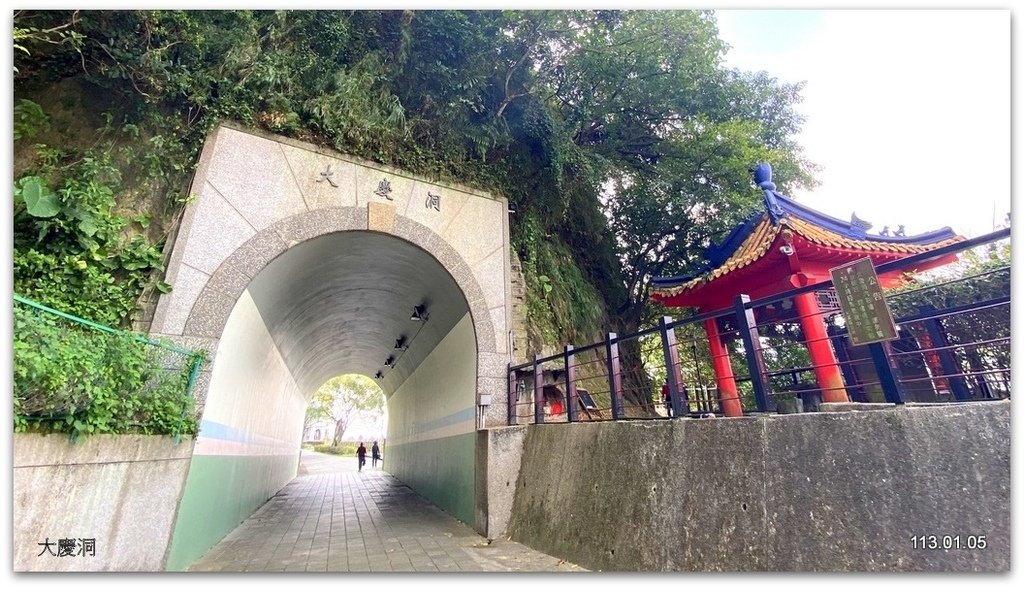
907 111
367 430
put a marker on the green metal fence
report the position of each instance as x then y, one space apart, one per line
76 376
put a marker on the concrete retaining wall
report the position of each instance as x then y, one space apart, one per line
120 491
811 492
499 455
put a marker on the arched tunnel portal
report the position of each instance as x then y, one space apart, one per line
287 281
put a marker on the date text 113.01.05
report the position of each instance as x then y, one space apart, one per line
949 542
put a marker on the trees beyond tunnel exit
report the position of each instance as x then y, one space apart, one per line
345 400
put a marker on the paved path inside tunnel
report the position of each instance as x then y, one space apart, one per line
333 518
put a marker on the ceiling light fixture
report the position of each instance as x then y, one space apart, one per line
401 344
390 361
419 313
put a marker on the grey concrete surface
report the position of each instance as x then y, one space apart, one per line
332 518
499 457
336 304
121 492
843 491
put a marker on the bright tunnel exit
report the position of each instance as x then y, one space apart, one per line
346 408
349 302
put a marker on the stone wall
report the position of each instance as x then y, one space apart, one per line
121 492
499 455
809 492
520 335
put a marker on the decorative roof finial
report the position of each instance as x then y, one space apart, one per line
859 227
763 176
884 232
901 231
763 179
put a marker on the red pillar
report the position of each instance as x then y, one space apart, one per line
728 398
932 359
830 379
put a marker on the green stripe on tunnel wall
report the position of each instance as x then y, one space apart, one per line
442 470
220 493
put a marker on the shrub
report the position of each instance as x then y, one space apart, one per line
343 449
71 378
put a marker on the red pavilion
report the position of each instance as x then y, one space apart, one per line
785 246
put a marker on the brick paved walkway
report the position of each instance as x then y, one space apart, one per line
333 518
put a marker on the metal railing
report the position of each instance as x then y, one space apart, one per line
754 357
62 362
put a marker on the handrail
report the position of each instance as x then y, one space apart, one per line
907 262
138 337
191 361
881 356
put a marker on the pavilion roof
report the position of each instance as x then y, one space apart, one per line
814 234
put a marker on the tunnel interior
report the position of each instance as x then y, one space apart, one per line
345 302
338 303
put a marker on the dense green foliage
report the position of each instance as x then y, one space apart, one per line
72 249
620 140
75 379
980 274
980 277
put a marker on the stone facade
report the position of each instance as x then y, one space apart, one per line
258 195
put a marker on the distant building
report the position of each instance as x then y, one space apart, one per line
322 432
319 432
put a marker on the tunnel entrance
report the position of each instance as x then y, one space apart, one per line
374 304
287 280
342 302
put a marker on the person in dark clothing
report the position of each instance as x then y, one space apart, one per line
361 455
375 451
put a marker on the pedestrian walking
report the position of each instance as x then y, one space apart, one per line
375 452
361 455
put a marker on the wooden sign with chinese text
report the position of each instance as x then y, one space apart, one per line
867 314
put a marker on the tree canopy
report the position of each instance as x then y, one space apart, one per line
619 137
346 399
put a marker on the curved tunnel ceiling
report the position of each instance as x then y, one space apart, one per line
337 303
